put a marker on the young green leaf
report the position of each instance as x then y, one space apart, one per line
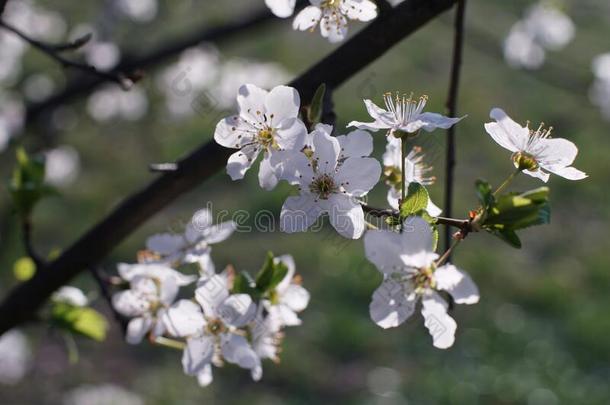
315 109
24 268
415 201
265 275
84 321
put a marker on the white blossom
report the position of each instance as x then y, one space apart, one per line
62 165
139 10
599 93
152 289
534 151
15 357
193 245
111 103
416 171
407 261
333 15
70 295
328 184
12 113
210 326
281 8
403 114
288 298
521 50
267 122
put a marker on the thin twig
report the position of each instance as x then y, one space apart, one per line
125 80
462 224
361 50
458 45
26 227
103 286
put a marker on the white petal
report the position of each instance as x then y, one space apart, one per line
569 173
440 325
299 213
326 151
333 27
266 174
211 293
291 134
392 304
130 303
382 248
233 132
457 283
153 270
555 152
165 243
251 101
283 103
288 261
295 297
357 143
346 216
307 18
383 119
219 232
239 162
431 121
183 319
137 328
70 295
393 198
292 166
362 10
205 377
168 291
416 239
197 354
359 175
237 350
539 174
237 310
283 315
281 8
506 132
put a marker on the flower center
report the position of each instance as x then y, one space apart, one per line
266 137
525 161
324 185
424 279
215 327
405 109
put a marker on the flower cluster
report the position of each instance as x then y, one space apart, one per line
333 173
331 15
230 318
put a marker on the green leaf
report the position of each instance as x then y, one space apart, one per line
265 275
279 272
24 268
415 201
484 193
520 210
84 321
315 109
508 236
243 284
27 184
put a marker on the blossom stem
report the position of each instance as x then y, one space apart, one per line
171 343
508 180
447 253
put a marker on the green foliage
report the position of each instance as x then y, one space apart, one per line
314 113
27 183
503 215
415 201
84 321
267 279
24 268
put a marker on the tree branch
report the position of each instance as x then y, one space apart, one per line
364 48
458 45
84 85
125 80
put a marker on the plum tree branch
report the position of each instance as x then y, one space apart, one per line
454 83
377 38
82 85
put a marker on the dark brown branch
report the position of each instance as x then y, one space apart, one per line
364 48
458 45
96 272
462 224
80 86
125 80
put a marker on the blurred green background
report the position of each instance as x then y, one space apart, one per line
540 334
